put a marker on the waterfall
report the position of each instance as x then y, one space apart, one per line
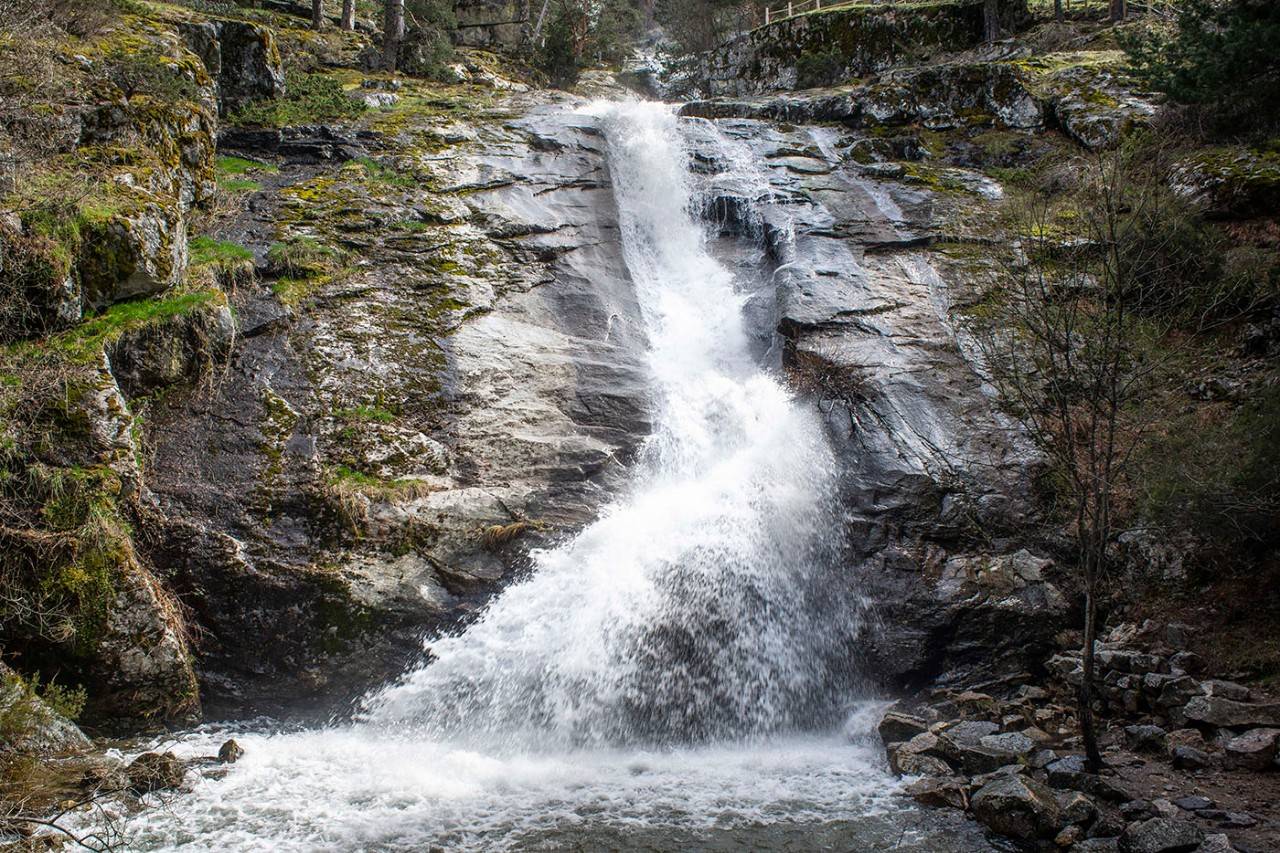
687 612
669 679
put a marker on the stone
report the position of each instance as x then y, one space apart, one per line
1165 808
230 752
1189 758
1137 810
1096 845
938 793
917 764
1068 836
1228 713
1077 808
131 253
1193 804
1256 749
1161 835
1019 807
1013 744
1226 690
897 726
155 771
1217 842
250 65
1186 663
1238 820
1146 738
1176 693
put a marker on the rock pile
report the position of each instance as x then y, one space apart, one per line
1013 762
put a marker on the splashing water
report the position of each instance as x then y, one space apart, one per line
655 683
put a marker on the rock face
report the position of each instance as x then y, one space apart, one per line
493 23
242 59
850 42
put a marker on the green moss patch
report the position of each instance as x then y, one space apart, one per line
309 99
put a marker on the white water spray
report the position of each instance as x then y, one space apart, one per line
655 683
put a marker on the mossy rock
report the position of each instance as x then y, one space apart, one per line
127 254
1232 181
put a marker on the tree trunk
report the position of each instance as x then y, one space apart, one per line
317 14
1057 11
1119 10
1088 730
348 15
393 33
991 20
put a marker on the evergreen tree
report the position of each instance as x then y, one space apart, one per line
1222 53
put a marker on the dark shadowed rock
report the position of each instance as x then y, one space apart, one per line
938 793
1146 738
897 726
155 771
1189 758
1019 807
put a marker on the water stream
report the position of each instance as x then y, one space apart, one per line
673 678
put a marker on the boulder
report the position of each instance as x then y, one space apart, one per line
172 350
1176 693
1231 181
30 725
1230 714
134 252
938 793
896 726
230 752
1190 758
1077 808
1254 750
917 764
1225 689
1070 773
1216 843
1193 804
155 771
1093 108
1161 835
242 58
1146 738
1019 807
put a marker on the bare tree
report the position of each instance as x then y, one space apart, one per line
990 20
393 33
317 14
348 15
1072 343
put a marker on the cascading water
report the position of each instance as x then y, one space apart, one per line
665 680
687 611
